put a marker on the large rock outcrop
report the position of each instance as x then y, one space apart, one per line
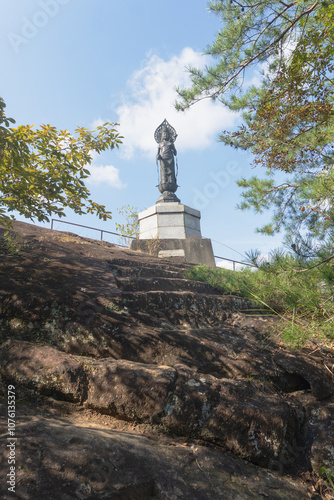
135 382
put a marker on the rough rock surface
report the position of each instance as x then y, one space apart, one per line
44 369
133 382
321 438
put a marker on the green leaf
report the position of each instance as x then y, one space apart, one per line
41 168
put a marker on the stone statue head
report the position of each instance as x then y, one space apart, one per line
165 132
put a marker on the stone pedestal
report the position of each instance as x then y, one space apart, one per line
192 250
173 230
169 221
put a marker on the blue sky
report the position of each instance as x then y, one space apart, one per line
83 62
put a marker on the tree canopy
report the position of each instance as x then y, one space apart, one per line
288 116
43 171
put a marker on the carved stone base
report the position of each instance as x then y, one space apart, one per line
192 250
168 197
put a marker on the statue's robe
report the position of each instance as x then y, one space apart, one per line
166 153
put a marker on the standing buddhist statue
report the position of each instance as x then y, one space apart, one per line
165 135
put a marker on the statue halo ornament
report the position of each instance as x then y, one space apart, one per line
165 126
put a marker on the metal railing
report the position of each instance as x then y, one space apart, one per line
94 229
234 262
133 238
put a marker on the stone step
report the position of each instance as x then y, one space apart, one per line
185 307
125 267
154 283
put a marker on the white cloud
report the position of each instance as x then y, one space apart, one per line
150 99
97 123
105 174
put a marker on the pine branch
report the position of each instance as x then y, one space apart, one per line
316 265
